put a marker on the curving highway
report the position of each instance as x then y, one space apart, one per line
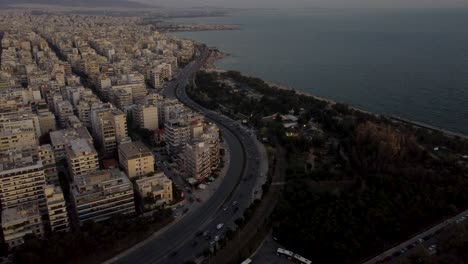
179 243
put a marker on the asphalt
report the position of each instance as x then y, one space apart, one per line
176 244
425 238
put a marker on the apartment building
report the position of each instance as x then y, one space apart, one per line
61 139
136 159
22 179
63 109
47 122
146 116
19 221
17 140
82 158
109 128
46 154
57 209
196 161
20 122
74 122
136 90
211 137
159 186
121 98
102 194
176 134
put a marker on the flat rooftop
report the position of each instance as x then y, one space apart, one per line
80 147
19 213
134 149
62 137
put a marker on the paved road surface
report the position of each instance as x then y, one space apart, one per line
426 236
175 244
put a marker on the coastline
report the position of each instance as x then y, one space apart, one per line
211 66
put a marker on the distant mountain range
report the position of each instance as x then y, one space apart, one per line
77 3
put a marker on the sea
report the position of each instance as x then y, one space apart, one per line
411 63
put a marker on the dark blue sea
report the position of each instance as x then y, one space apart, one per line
409 63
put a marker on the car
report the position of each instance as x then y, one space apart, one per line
234 203
219 226
432 249
410 246
173 253
225 208
199 233
194 243
185 210
236 209
420 241
199 200
216 238
212 243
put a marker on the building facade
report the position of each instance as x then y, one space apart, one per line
100 195
136 159
82 158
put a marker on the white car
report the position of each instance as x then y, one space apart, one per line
219 226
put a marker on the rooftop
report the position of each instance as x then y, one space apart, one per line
62 137
17 160
19 213
80 147
100 184
134 149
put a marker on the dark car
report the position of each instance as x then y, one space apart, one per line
173 253
198 233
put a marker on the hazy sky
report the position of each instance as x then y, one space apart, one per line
314 3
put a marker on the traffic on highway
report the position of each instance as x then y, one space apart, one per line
202 229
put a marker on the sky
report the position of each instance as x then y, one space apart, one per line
314 3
